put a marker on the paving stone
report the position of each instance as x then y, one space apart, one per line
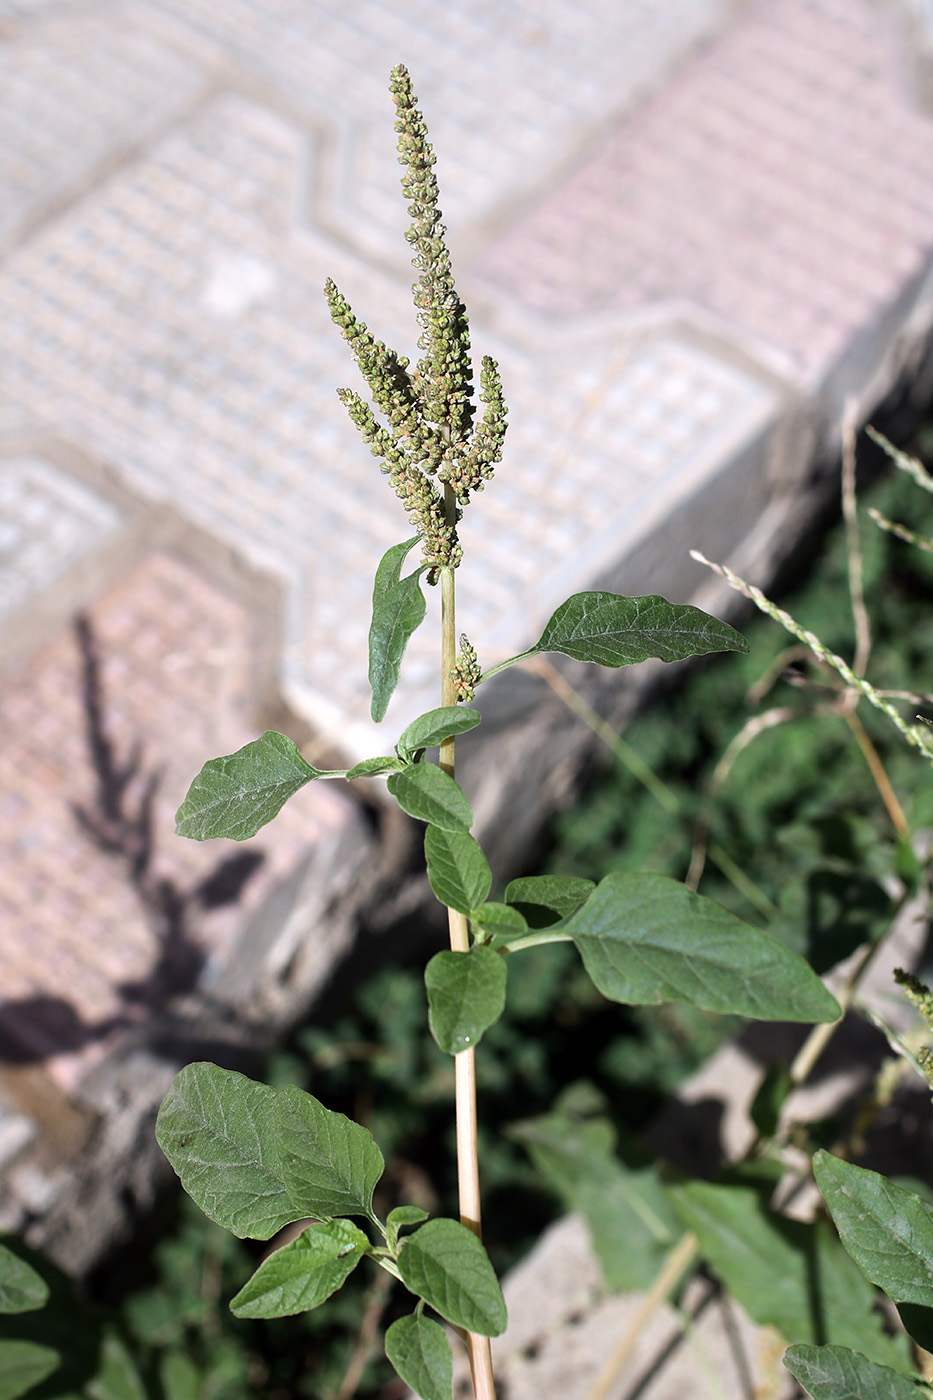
48 521
171 326
78 94
174 665
790 143
547 75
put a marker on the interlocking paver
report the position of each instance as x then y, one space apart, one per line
48 521
208 381
497 132
174 660
75 95
774 185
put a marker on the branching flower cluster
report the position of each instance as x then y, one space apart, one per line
428 441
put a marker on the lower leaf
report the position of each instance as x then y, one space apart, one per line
23 1365
303 1274
836 1373
445 1264
420 1353
646 939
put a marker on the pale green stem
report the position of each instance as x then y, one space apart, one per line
912 733
465 1063
903 460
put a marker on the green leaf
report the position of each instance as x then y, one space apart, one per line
785 1273
398 1218
646 939
918 1322
236 795
397 613
389 568
466 994
330 1164
457 869
216 1127
499 920
429 794
836 1373
117 1378
445 1264
420 1354
303 1273
613 631
23 1365
770 1097
630 1220
375 767
887 1230
21 1288
436 725
544 899
180 1378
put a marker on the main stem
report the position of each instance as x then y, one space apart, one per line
484 1386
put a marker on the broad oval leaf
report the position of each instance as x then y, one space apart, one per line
630 1219
646 939
117 1377
445 1264
610 630
499 920
787 1274
429 794
234 796
23 1365
419 1351
888 1231
375 767
544 899
837 1373
216 1127
304 1272
458 871
329 1163
398 1218
21 1288
397 614
466 994
435 726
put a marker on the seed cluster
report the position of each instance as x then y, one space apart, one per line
428 440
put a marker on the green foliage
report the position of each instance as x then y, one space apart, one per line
21 1288
646 938
418 1350
236 795
608 630
466 995
397 613
23 1365
836 1373
544 899
888 1231
431 729
630 1220
330 1164
429 794
217 1129
445 1264
458 871
303 1273
789 1275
